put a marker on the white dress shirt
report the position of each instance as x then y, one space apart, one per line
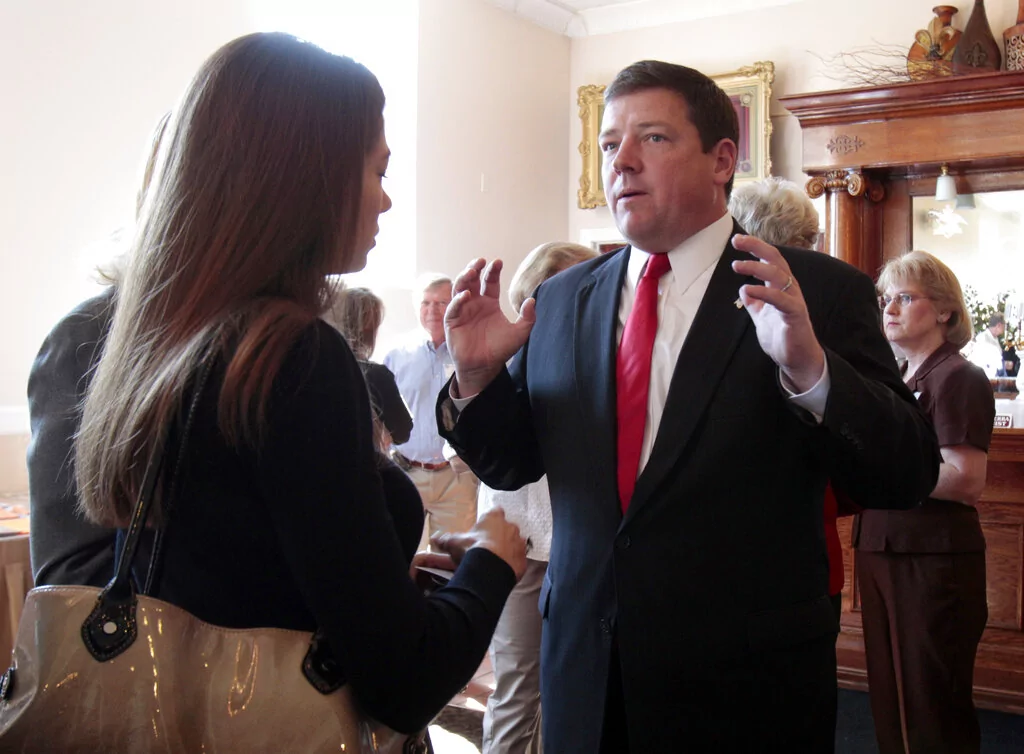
680 292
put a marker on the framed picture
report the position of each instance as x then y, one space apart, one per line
590 98
749 89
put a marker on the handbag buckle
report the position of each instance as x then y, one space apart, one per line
319 666
111 627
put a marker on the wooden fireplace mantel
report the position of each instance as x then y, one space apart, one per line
870 151
862 147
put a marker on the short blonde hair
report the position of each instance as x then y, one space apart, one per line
776 211
938 283
545 261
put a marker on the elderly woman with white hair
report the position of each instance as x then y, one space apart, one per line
777 211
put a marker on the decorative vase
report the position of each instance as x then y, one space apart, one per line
931 55
1014 38
977 51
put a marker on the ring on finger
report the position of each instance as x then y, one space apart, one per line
787 286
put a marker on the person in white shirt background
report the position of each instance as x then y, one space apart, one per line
986 351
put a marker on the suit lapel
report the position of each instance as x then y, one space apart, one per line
717 331
594 353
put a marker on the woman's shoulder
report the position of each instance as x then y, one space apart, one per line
375 371
86 323
319 341
318 355
963 370
960 375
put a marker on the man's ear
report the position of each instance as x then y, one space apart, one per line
725 153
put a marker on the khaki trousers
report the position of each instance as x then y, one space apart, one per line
449 500
512 717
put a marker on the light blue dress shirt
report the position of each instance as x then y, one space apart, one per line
421 369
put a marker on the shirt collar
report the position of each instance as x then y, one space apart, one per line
439 348
935 358
690 258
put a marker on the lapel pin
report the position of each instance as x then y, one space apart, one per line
738 303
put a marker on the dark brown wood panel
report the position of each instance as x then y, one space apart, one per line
1003 557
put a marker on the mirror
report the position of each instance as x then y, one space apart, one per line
981 238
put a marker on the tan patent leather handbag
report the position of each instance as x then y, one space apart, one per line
114 671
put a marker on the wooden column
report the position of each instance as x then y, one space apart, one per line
850 223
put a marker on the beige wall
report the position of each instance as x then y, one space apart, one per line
84 83
789 35
492 166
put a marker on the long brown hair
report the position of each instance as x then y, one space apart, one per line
254 200
357 314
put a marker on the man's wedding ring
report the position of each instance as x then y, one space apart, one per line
787 286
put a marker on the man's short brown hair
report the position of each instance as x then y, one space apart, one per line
710 109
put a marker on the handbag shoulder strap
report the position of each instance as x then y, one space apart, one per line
155 559
110 627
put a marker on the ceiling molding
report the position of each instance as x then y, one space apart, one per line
549 14
581 18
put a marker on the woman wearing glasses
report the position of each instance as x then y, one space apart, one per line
922 572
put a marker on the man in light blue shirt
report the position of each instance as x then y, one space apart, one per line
421 367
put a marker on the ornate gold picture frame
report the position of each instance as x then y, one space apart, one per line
749 88
590 98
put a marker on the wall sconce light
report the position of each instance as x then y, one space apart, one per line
945 187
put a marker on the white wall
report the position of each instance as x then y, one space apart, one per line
84 83
491 160
789 35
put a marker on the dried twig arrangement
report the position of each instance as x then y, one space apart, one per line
869 65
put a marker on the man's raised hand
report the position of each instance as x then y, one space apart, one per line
480 337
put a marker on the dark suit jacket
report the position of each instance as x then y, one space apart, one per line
721 556
66 549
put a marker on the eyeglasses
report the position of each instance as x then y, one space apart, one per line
903 299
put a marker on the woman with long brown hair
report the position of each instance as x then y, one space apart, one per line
271 508
357 313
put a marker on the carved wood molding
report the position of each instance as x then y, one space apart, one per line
844 144
854 182
985 92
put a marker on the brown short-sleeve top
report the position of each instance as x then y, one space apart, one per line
957 396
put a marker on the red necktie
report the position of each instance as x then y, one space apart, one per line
633 374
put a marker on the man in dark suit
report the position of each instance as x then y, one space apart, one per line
687 436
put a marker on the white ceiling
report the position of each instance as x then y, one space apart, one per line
581 18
